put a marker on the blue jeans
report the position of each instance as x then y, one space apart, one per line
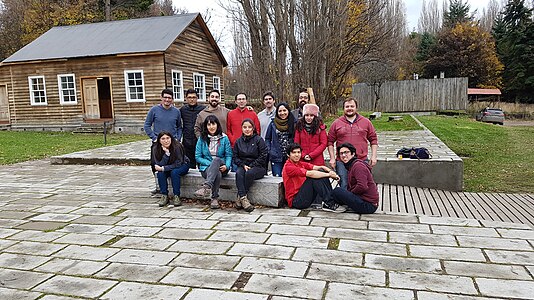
276 167
355 202
175 175
343 174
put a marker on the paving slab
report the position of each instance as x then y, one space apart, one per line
216 279
329 256
362 276
200 261
285 286
147 257
133 272
72 266
509 288
486 270
35 248
75 286
132 290
21 279
260 265
21 261
339 291
202 294
256 250
42 225
12 294
432 282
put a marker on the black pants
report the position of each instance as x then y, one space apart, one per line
245 179
314 191
152 162
190 151
355 202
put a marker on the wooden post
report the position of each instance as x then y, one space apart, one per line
312 96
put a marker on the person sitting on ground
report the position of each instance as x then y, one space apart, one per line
170 161
361 195
310 133
250 153
279 135
214 156
306 184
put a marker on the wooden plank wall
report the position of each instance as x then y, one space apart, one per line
414 95
192 53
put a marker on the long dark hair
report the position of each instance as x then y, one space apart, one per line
210 119
290 118
315 124
248 120
172 147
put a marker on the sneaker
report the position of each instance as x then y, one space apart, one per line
215 204
246 204
333 207
163 201
155 192
176 201
316 206
238 204
203 192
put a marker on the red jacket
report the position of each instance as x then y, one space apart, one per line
233 123
294 175
312 145
360 133
361 182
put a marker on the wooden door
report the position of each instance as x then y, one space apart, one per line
90 98
4 105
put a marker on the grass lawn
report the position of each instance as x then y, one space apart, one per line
17 146
496 158
382 124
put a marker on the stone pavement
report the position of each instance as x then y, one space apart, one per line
70 231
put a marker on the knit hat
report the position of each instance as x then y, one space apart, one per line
310 109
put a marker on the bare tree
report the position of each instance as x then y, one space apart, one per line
431 17
489 14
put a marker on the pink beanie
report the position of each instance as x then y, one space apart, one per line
310 109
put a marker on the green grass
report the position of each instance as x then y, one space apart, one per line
17 146
382 124
496 158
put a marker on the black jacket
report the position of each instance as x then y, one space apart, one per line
251 151
189 117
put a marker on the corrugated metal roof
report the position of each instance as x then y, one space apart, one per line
105 38
483 91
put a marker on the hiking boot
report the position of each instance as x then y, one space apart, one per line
333 207
214 204
163 201
203 192
238 204
155 193
176 201
316 206
246 204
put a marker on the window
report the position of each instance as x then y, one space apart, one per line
177 85
37 90
200 86
135 86
217 83
67 89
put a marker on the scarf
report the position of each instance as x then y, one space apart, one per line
308 127
280 124
348 165
214 144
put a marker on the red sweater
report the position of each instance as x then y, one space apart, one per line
294 175
312 145
233 123
360 133
361 182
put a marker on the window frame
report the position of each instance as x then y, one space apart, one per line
32 95
218 79
60 90
178 96
201 94
127 86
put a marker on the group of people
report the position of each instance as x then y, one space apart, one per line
291 142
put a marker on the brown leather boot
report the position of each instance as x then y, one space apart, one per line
237 203
246 204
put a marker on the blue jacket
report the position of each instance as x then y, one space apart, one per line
203 156
276 154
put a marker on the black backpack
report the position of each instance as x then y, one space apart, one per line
414 153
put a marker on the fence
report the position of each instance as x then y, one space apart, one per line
414 95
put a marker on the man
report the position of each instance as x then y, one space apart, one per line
190 112
306 184
354 129
267 115
236 117
213 108
162 117
303 99
361 194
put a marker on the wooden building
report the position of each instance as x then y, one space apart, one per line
76 76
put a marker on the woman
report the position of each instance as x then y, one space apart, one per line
214 157
310 133
170 161
250 154
279 135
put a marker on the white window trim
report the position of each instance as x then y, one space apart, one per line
32 96
126 86
201 95
61 97
218 83
179 97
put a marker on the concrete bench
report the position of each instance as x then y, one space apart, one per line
268 191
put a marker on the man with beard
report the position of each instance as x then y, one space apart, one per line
354 129
215 109
303 99
190 112
361 195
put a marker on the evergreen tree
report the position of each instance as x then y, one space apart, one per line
458 12
428 41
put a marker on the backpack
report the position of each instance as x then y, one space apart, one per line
420 153
404 152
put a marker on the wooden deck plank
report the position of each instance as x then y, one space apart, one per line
431 202
445 206
507 207
401 200
417 206
408 200
380 188
494 211
459 206
482 207
522 205
470 210
386 200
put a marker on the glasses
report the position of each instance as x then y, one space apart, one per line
167 97
192 97
343 153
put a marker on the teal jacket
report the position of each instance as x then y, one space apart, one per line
203 156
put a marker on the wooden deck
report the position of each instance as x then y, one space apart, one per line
515 208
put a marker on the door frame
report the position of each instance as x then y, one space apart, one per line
8 121
81 78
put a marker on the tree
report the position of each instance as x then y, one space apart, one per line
514 33
457 12
430 19
11 18
489 15
466 51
